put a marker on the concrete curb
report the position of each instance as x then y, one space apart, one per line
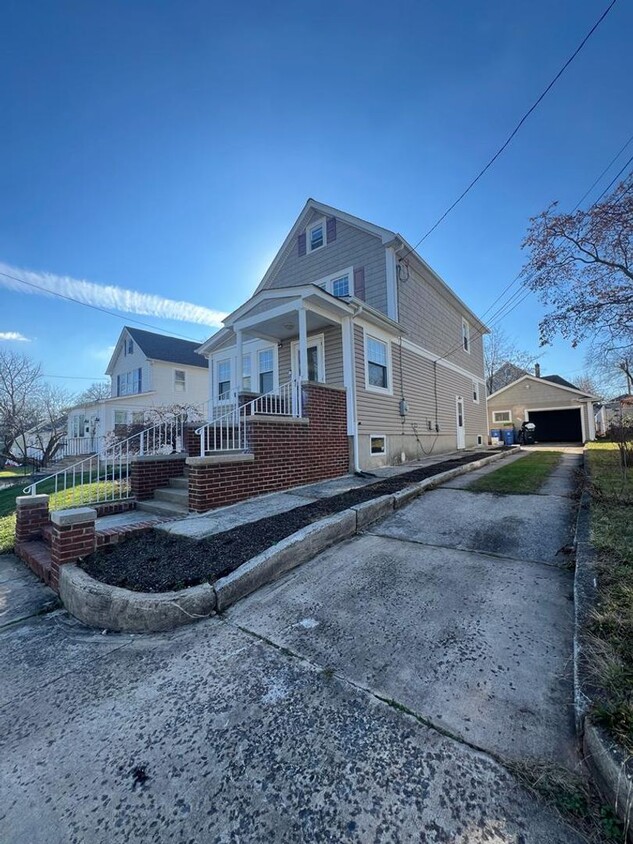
285 555
112 608
611 769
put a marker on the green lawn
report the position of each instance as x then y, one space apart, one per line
58 500
612 626
520 477
14 472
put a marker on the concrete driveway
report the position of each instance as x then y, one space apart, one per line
364 697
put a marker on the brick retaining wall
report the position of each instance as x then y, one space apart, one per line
286 452
148 474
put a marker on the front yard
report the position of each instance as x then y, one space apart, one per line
612 626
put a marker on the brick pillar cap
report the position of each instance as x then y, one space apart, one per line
31 500
75 516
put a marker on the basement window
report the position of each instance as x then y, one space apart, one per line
377 444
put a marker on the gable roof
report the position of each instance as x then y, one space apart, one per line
554 380
387 236
161 347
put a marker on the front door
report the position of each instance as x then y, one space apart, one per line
461 429
315 360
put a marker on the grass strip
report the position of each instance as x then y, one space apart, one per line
522 477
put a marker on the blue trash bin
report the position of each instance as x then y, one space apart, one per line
508 436
496 432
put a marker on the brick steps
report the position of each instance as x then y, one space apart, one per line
163 508
179 483
37 555
180 497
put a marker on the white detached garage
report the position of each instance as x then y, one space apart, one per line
560 411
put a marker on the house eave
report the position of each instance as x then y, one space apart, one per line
582 396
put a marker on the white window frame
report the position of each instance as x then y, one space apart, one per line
466 335
217 378
247 356
125 414
326 281
496 421
315 224
177 381
476 391
275 369
382 338
382 437
317 340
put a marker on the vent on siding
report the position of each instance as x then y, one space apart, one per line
331 229
480 439
359 283
301 244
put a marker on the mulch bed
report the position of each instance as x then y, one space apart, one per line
158 562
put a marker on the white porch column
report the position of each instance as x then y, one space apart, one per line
592 421
347 337
303 345
239 365
211 401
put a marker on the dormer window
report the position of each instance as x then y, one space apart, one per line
339 284
316 236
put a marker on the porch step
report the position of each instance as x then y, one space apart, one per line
173 496
37 556
162 508
178 483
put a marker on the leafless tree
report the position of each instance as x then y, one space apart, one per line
20 385
97 391
500 350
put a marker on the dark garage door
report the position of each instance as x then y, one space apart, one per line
557 426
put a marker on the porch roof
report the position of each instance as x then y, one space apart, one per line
273 314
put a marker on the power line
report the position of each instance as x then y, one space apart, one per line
537 102
617 176
606 169
94 307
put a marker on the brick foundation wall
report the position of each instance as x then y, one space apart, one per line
109 508
192 440
148 474
286 453
72 537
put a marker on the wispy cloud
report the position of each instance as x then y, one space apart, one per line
13 335
107 296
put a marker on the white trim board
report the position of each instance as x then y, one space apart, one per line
585 397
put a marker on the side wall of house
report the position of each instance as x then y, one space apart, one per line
432 320
412 377
352 248
128 363
196 384
535 395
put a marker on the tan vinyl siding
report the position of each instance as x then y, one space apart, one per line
333 353
534 395
267 305
352 248
379 414
434 322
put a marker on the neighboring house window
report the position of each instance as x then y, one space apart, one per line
476 392
137 381
266 361
316 236
78 426
138 417
377 444
501 416
466 335
130 347
129 383
120 417
224 378
246 372
339 284
180 380
377 356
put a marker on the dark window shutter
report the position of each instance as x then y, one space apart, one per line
331 229
140 379
301 242
359 283
118 385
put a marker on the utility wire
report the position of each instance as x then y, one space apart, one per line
94 307
614 180
536 103
606 169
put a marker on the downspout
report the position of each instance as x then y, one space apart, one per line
358 309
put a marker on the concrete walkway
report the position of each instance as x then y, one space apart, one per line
364 697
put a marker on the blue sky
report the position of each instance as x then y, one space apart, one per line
167 147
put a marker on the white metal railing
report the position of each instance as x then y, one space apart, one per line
105 476
76 446
229 431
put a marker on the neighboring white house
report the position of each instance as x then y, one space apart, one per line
148 372
560 411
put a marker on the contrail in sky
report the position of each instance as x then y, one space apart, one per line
107 296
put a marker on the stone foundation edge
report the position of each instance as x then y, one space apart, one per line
112 608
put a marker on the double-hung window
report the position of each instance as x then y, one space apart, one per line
377 363
137 381
340 285
180 380
476 392
266 363
466 335
224 378
120 417
246 372
316 236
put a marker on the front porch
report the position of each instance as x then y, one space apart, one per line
288 336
